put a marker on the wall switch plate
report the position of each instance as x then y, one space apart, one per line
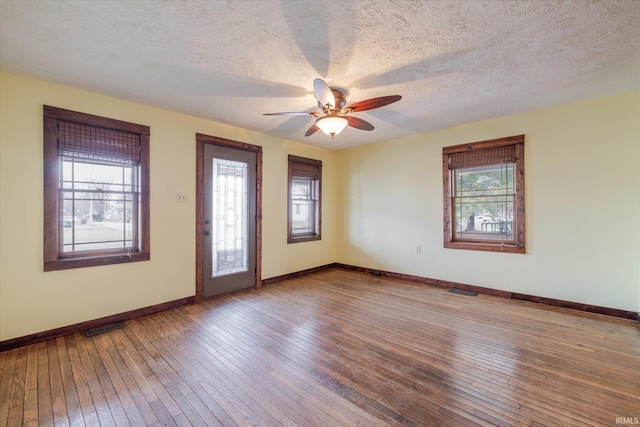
181 198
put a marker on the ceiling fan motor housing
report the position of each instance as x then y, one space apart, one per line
341 101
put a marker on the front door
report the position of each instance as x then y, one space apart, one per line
229 219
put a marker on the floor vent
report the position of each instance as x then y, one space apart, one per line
103 329
463 292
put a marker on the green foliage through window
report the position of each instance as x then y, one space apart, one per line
484 195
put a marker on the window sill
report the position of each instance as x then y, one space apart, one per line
80 262
303 239
491 247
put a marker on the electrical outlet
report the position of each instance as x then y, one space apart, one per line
181 198
418 249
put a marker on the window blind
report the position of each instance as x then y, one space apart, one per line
98 143
482 157
300 167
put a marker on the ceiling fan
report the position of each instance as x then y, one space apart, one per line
334 116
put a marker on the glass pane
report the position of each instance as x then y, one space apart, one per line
483 202
67 174
128 223
95 172
303 204
127 175
90 246
230 244
67 218
97 209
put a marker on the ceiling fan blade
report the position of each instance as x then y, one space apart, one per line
313 129
323 93
358 123
370 104
296 113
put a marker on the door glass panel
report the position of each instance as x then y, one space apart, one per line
230 246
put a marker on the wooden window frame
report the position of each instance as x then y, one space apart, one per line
53 258
312 169
519 243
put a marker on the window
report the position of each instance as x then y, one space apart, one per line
96 190
305 177
484 195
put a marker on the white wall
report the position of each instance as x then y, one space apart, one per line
33 301
582 204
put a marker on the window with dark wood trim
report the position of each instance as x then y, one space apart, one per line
484 195
96 190
304 210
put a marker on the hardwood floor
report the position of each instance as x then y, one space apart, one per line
334 348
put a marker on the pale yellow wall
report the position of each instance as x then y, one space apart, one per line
379 202
33 301
582 205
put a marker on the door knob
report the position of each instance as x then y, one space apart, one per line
207 233
206 221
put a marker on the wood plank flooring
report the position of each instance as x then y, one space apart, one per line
334 348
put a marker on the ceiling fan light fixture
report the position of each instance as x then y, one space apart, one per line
332 124
335 113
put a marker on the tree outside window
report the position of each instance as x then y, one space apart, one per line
96 190
484 195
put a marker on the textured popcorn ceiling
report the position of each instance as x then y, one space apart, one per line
454 62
